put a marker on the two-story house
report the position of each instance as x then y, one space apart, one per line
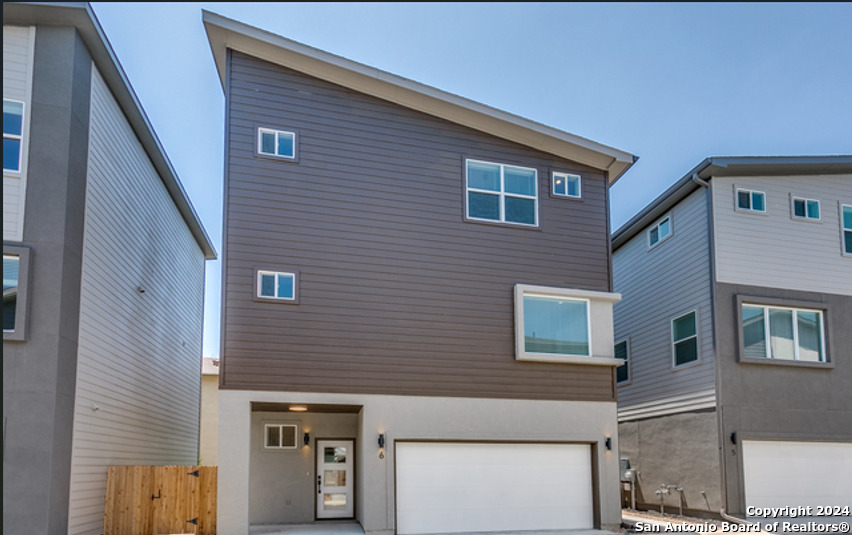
736 328
103 277
416 321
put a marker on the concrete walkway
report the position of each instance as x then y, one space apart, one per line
354 528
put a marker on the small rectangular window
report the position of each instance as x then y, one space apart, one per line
751 201
685 339
805 209
278 143
16 282
659 231
280 436
782 333
622 373
11 264
276 285
846 227
566 185
501 193
13 134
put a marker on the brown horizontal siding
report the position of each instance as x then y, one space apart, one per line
398 295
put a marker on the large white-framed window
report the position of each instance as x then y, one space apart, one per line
280 436
501 193
566 185
806 209
659 231
685 339
782 333
277 286
13 135
622 351
556 325
748 200
276 143
846 228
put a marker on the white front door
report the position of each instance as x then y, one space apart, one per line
335 463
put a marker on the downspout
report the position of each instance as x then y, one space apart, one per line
698 180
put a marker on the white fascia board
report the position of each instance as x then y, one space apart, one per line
224 33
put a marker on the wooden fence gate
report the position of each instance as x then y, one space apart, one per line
159 500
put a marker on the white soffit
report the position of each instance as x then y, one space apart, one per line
224 33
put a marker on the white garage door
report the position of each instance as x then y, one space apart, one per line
783 473
462 487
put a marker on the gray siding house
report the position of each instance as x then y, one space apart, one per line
417 305
736 326
103 278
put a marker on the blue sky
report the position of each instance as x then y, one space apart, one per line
672 83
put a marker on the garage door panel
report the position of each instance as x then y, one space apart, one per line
459 487
788 473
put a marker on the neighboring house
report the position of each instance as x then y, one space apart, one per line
103 277
736 327
208 436
417 305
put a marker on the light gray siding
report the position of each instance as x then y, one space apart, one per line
138 375
658 285
18 44
775 250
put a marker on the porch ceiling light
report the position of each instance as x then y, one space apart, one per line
298 408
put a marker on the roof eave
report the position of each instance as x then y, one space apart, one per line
81 16
728 166
224 33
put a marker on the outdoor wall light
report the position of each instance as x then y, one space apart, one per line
381 440
608 443
307 439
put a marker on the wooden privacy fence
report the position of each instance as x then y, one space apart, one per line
159 500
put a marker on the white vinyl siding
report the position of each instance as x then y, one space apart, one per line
139 354
18 47
658 285
803 257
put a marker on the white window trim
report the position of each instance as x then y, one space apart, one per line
262 130
844 230
502 194
768 335
259 279
21 138
657 226
295 445
566 176
590 297
794 198
675 365
627 362
751 193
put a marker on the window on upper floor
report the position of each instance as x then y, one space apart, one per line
15 284
685 339
783 333
277 286
13 134
276 143
556 325
660 231
501 193
280 436
751 201
566 185
846 228
805 208
622 351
